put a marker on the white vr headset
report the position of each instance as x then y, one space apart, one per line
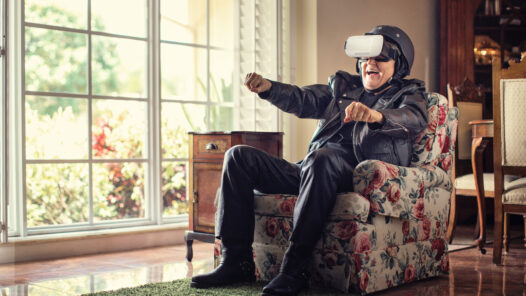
364 46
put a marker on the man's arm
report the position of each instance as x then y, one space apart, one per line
306 102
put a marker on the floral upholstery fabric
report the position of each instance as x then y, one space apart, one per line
390 231
349 205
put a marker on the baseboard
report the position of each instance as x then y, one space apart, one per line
55 247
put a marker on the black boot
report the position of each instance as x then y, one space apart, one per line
237 265
293 276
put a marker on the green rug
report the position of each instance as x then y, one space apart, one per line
182 287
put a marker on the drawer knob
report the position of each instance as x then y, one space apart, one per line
211 146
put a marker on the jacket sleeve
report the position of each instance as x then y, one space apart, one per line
305 102
405 121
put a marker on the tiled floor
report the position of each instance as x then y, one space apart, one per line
471 273
74 276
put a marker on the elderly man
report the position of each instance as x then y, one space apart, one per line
375 115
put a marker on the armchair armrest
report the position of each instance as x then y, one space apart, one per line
395 190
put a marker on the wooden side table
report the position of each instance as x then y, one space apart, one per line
482 134
205 166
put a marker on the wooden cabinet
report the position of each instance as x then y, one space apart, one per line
469 23
206 152
456 41
498 34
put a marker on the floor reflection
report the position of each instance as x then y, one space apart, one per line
111 280
471 273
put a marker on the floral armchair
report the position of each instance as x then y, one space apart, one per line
390 231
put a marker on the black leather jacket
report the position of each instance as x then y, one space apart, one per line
403 107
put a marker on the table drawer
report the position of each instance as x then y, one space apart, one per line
210 146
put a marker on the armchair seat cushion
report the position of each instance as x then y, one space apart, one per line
428 219
349 206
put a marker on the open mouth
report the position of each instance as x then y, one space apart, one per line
373 73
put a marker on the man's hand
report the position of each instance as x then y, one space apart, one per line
357 111
256 83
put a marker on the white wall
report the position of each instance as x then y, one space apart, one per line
305 68
322 26
339 19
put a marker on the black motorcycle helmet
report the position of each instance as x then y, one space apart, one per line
404 60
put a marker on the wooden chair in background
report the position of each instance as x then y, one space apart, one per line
509 113
468 98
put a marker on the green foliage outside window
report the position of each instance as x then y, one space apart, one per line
58 193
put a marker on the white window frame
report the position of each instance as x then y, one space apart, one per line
90 224
3 122
14 130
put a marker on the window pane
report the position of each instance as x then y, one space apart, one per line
108 16
174 189
119 67
176 121
56 61
221 76
56 128
118 191
184 21
63 13
183 72
221 118
56 194
119 129
222 23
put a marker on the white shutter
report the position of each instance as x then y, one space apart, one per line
245 106
266 59
260 50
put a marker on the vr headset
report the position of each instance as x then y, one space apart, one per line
370 46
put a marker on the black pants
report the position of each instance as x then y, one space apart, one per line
318 178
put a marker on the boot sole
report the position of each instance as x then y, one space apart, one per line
201 285
198 285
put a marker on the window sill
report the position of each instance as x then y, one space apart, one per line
55 246
95 233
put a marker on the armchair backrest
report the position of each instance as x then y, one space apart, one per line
435 144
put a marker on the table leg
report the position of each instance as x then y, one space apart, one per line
189 251
477 152
190 236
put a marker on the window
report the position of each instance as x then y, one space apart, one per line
107 100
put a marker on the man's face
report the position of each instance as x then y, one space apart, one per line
376 73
